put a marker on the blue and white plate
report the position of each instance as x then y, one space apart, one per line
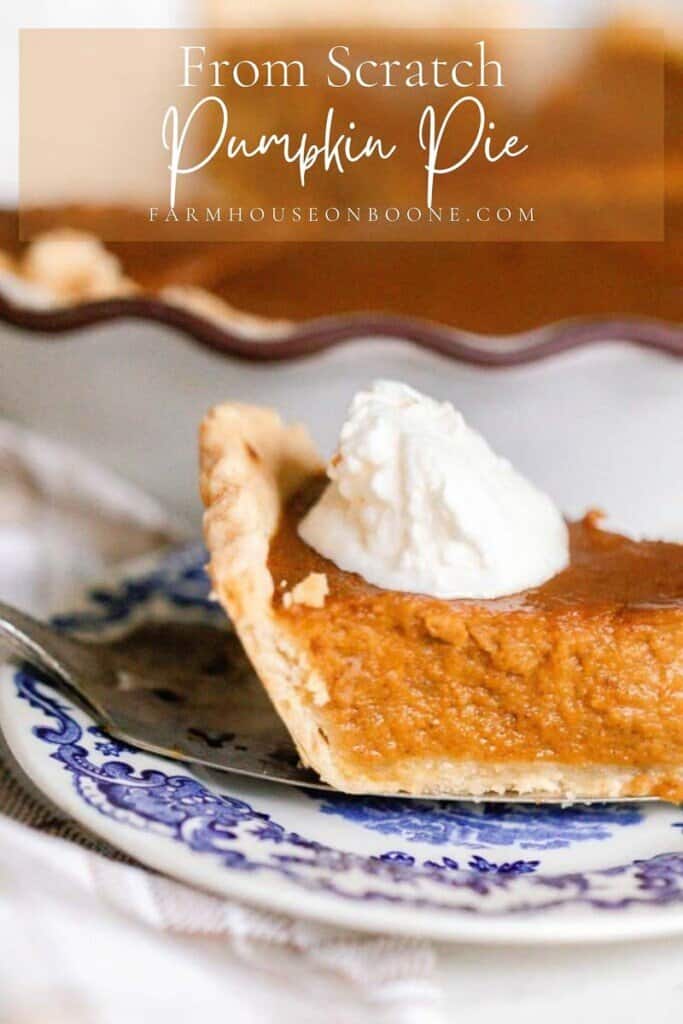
483 873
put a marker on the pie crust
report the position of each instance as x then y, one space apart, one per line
251 463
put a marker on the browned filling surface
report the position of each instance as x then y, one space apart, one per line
584 670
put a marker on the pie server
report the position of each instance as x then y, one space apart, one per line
185 691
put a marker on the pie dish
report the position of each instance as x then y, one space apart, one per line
554 297
572 689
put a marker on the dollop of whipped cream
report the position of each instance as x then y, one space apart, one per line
418 501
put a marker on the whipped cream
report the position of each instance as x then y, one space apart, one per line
417 501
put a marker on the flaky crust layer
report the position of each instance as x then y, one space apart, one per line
251 463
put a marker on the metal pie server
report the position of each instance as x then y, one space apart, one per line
185 691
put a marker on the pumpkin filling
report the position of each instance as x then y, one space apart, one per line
585 670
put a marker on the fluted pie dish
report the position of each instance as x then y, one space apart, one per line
571 689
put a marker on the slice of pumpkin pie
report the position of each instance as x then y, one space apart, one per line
424 620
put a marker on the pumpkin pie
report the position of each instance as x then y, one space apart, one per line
573 689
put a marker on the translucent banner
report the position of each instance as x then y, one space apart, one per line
348 134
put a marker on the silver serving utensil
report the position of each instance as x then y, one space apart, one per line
181 690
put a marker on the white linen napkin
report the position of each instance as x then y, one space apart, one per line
88 939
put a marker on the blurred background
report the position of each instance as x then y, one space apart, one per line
130 394
448 282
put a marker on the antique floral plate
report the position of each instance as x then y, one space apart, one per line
460 871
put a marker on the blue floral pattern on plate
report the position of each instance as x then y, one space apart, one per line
476 825
476 875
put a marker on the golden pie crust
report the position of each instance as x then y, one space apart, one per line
573 689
